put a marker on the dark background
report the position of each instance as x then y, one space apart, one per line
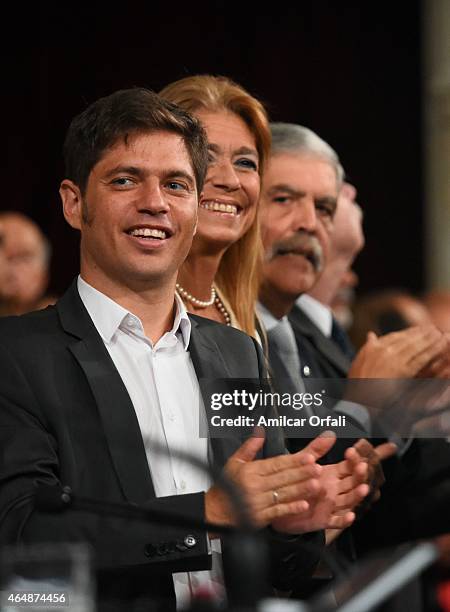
349 70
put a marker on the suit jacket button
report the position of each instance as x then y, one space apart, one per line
162 549
150 550
306 371
190 541
172 547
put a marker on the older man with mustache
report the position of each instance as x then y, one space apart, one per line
299 198
300 192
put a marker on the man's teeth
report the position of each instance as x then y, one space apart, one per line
146 232
220 207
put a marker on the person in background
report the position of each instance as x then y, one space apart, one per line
386 311
27 253
342 303
313 310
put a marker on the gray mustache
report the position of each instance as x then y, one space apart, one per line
301 243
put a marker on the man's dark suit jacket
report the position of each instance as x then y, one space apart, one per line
321 354
66 418
415 500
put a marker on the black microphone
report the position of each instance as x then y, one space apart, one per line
56 498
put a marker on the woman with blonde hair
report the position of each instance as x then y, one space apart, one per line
219 278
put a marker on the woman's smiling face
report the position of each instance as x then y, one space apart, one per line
227 206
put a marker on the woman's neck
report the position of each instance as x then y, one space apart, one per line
197 274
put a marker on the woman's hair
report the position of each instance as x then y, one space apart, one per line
238 275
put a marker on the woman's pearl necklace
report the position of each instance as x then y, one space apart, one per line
214 299
200 303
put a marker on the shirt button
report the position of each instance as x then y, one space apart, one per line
190 541
171 417
306 371
183 485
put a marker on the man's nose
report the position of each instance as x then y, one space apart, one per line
223 175
305 215
153 201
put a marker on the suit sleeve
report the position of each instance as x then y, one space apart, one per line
31 455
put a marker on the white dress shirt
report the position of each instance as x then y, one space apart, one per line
319 314
163 387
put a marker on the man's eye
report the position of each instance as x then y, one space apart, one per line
326 210
122 181
247 163
177 186
281 199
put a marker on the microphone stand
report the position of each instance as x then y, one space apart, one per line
245 561
54 498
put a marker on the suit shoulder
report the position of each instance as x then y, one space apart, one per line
15 328
220 330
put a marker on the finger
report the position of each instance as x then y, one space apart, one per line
248 450
341 521
291 476
321 445
350 468
273 465
350 482
352 498
412 336
364 447
269 514
354 456
424 352
372 338
307 489
386 450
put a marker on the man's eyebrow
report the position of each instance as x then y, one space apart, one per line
133 170
142 173
286 189
173 173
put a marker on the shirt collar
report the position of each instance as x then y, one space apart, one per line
108 316
319 314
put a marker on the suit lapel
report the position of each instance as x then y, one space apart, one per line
113 402
209 365
205 354
324 345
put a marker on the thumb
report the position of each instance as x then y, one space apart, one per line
249 449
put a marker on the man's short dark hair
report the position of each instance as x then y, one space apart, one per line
120 115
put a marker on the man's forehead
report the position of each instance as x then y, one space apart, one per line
290 169
147 141
158 148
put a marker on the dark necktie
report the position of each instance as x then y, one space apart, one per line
340 337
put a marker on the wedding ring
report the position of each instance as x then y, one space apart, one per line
275 497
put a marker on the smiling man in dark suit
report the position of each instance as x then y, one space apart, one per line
93 387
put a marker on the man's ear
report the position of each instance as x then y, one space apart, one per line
72 203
